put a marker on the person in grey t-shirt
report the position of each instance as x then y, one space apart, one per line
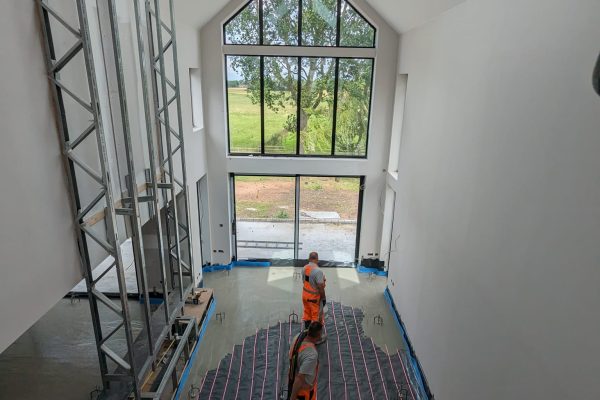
304 364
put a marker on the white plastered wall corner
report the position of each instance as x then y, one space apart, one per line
38 249
496 274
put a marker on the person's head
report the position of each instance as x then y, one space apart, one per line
314 330
313 257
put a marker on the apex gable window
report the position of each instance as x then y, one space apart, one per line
302 100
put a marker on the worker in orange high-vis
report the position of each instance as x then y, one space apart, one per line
304 364
314 301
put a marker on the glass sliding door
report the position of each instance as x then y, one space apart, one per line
268 225
328 217
264 210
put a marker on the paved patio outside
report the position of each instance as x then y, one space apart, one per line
334 242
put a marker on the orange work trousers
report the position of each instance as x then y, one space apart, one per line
312 307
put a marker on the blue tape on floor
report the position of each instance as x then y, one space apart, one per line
415 364
186 373
217 267
229 267
153 300
366 270
251 264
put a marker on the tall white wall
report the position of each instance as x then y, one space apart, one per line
221 165
188 50
497 269
38 252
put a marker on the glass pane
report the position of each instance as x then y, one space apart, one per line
264 209
355 31
319 22
354 102
244 27
316 101
281 88
243 103
280 20
328 217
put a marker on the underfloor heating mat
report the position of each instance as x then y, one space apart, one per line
351 365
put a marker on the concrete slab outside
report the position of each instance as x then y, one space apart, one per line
333 241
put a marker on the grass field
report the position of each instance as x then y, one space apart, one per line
244 125
273 197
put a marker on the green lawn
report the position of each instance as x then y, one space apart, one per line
274 197
244 125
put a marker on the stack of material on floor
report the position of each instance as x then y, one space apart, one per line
198 303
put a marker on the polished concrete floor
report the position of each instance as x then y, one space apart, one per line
56 358
255 298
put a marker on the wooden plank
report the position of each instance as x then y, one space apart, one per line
99 216
198 310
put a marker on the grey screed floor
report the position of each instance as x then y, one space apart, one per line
254 299
56 358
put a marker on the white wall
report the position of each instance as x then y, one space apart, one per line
188 50
220 165
38 252
497 273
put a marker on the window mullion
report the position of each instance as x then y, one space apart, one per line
300 23
335 103
261 23
338 23
298 105
295 51
262 105
297 218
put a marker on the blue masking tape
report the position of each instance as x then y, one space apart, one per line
415 364
186 373
217 267
366 270
153 300
229 267
251 264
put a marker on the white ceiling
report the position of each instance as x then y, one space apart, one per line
197 13
402 15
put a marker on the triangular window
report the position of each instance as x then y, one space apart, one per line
244 28
322 23
355 31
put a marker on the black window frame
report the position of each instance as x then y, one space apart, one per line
299 38
297 261
298 105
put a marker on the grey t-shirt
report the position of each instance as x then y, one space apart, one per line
316 276
307 363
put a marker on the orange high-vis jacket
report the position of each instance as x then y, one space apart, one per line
303 394
308 292
310 298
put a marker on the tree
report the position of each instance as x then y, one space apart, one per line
319 26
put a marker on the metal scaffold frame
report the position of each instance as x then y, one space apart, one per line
172 143
161 183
